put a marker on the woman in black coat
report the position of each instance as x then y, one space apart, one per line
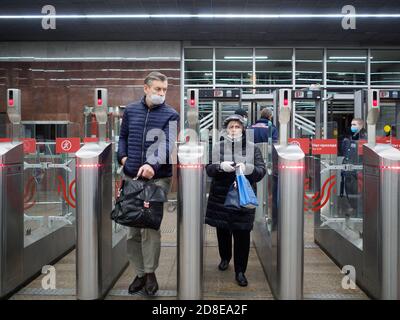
229 154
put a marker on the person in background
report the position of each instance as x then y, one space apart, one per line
352 180
264 128
229 154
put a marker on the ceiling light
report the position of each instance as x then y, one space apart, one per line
201 16
348 58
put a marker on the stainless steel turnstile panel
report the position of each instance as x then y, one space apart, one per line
191 191
97 268
11 216
381 221
280 242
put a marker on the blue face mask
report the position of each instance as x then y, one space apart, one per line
354 129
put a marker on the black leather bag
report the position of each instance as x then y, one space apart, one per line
139 204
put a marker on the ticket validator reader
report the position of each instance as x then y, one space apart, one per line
381 183
12 200
100 259
191 193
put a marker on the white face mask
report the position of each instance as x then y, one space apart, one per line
156 99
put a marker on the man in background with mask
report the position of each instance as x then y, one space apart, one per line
351 180
149 114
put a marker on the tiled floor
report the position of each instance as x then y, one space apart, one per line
322 278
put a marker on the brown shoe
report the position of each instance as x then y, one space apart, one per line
137 284
151 285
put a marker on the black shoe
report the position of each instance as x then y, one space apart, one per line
137 284
223 265
151 286
241 279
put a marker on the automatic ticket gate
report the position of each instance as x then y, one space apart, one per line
381 169
192 155
12 201
375 259
100 255
279 224
22 256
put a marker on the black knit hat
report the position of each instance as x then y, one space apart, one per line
241 112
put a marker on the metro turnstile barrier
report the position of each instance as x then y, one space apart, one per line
278 233
191 206
22 256
376 260
100 255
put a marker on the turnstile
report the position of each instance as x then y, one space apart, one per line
22 256
375 258
191 191
279 224
11 216
101 253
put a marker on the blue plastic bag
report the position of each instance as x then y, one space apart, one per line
247 198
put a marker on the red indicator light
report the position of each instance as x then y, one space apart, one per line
11 102
95 165
291 167
375 103
2 165
192 102
99 101
190 166
285 102
390 167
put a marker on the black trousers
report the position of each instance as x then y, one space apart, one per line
241 247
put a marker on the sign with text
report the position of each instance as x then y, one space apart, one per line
67 145
384 140
396 143
323 146
303 143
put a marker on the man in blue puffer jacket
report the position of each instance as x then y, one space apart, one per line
147 138
264 128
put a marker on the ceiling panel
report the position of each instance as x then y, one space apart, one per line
317 31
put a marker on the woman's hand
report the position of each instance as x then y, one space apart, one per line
227 166
242 166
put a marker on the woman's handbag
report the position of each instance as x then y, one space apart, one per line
139 204
247 198
232 197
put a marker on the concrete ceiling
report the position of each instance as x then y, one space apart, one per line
272 32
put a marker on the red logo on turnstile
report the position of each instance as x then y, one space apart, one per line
67 145
303 143
319 199
29 193
68 195
29 145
